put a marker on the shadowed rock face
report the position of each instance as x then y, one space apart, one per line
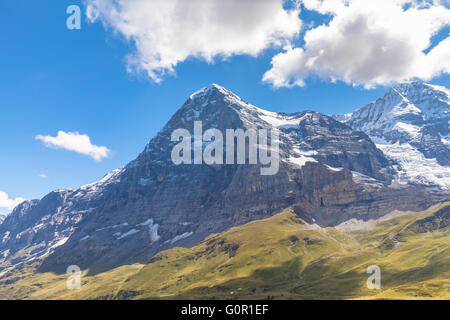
337 145
329 172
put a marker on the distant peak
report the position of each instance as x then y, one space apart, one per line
311 115
407 88
417 84
409 84
311 112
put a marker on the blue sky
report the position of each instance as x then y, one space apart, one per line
76 80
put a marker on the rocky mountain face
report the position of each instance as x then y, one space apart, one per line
410 124
328 173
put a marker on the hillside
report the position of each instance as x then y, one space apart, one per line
281 257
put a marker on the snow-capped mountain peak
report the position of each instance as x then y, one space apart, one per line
411 125
211 93
208 89
430 100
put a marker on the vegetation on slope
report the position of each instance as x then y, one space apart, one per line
281 257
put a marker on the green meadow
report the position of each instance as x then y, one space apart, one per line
281 257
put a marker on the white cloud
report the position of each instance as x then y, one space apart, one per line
168 32
367 42
73 141
43 176
325 6
10 204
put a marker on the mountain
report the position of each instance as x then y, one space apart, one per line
281 257
410 124
1 218
328 173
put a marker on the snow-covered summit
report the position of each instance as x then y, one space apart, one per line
209 89
411 125
403 112
215 94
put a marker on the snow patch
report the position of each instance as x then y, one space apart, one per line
410 129
60 242
334 169
415 168
446 139
127 234
125 224
359 174
179 237
278 121
152 230
301 161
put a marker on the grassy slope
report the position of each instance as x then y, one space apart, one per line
279 257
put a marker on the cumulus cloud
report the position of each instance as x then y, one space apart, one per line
73 141
10 204
325 6
367 42
167 32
